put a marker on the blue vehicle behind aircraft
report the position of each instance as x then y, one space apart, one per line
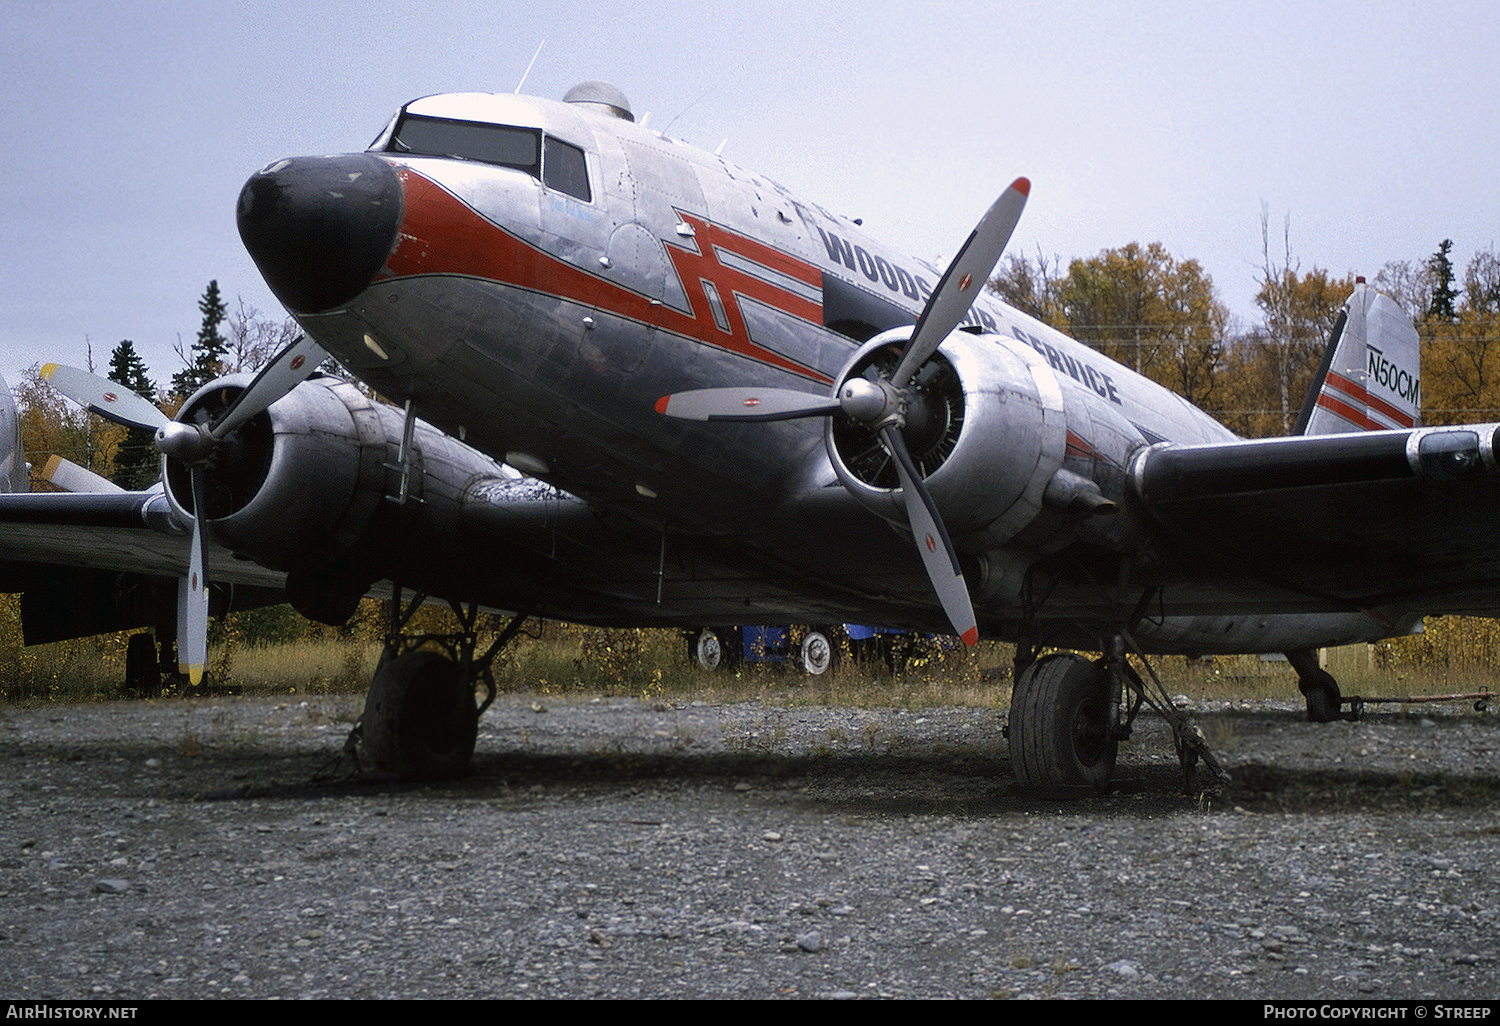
813 651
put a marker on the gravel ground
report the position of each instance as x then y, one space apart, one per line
621 848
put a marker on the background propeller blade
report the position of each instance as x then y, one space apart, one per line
936 548
70 477
292 366
964 279
745 404
109 399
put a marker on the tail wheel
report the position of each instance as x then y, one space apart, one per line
1060 723
1323 698
419 719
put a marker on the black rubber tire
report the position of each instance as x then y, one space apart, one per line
142 670
1323 699
1318 687
1059 721
420 721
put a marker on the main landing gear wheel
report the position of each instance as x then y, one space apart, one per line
142 670
1060 731
420 720
1323 701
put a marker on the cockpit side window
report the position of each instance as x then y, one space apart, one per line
564 169
518 148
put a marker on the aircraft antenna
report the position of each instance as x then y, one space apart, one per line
686 109
527 72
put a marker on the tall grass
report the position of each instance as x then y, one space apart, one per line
1455 654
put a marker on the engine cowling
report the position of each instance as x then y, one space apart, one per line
314 485
989 428
980 431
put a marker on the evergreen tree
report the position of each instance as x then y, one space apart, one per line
208 352
136 465
127 368
1443 292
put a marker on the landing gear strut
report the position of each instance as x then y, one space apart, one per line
420 720
1317 686
148 672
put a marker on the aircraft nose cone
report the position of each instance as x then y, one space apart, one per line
320 228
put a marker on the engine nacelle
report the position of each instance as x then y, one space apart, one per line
1002 452
980 431
314 486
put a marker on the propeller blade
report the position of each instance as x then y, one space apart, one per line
933 543
963 280
292 366
70 477
745 404
109 399
192 598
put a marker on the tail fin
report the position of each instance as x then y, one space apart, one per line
1371 377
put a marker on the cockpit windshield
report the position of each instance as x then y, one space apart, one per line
519 148
563 169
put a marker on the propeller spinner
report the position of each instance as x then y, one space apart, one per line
881 404
195 445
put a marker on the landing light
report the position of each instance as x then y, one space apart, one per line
374 347
528 464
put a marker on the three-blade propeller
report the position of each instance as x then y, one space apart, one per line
194 444
881 404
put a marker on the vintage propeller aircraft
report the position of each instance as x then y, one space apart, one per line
735 407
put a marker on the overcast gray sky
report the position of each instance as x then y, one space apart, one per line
1371 125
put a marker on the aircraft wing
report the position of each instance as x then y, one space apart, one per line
130 532
1367 520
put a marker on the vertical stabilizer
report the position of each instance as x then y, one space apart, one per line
1371 376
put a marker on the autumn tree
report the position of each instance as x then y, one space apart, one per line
1482 284
1461 341
1410 284
1030 287
1148 310
255 339
1299 312
50 426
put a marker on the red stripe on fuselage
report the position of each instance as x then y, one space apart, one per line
705 265
441 234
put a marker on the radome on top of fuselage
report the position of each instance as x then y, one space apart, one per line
794 260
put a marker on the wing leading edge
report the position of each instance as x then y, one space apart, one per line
131 532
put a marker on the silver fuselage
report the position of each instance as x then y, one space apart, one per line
540 325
